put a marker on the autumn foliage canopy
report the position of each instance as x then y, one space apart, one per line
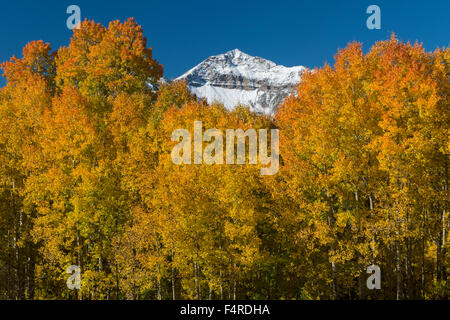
86 179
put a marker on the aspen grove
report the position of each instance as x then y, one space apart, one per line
86 179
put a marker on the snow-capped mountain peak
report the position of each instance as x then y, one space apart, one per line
234 78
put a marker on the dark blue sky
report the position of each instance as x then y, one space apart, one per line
183 33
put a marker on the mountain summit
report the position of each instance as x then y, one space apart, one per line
235 78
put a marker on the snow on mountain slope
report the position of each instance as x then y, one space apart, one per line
235 78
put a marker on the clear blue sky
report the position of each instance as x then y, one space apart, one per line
183 33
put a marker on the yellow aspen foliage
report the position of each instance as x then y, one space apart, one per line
87 178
